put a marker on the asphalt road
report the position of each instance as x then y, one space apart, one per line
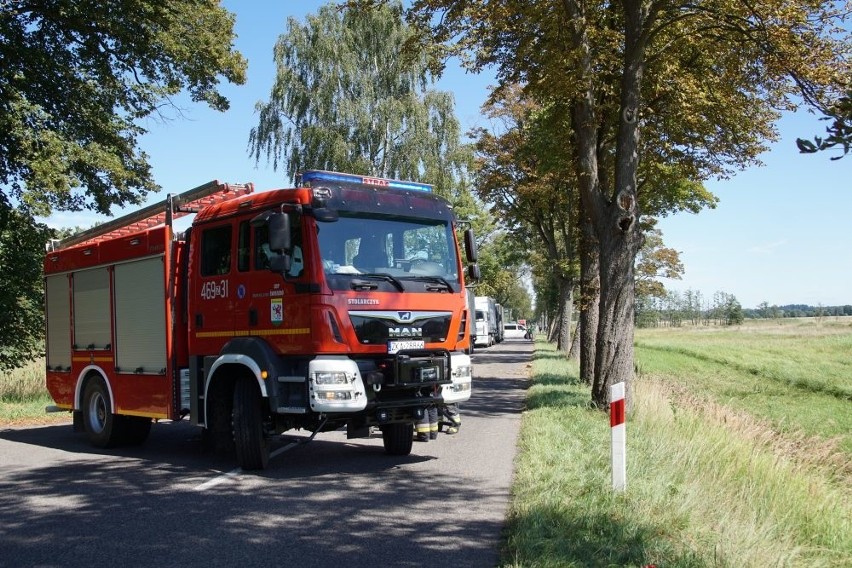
331 503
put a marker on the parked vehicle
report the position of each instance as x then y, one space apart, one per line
486 321
340 302
515 331
498 322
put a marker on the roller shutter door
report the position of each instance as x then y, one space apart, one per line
140 316
91 309
58 322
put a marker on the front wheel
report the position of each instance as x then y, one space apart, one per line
251 443
103 428
398 438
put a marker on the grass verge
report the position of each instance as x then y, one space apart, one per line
701 491
23 396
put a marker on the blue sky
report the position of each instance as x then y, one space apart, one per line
779 233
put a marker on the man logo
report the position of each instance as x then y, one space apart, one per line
404 316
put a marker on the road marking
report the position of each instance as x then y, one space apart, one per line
235 472
217 480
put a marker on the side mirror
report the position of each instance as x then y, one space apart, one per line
470 247
473 273
279 232
281 263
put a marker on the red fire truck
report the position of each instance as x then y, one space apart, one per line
338 303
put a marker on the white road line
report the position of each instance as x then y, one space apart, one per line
235 472
217 480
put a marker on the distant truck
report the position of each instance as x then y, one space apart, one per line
486 321
338 303
498 310
471 307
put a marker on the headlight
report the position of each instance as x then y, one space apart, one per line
460 387
462 372
331 378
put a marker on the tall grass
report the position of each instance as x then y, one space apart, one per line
706 486
23 395
23 384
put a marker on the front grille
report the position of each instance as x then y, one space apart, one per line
378 327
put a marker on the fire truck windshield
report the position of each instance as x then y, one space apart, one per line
389 253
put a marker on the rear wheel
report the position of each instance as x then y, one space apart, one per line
398 438
103 428
251 443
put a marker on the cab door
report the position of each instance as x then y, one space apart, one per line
211 316
266 304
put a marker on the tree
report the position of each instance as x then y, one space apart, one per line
346 98
77 79
698 85
733 311
655 260
22 299
527 185
501 262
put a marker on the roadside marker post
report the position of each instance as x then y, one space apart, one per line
619 440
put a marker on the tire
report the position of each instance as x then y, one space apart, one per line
398 438
251 444
103 428
136 429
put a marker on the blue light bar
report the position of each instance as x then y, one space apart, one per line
312 176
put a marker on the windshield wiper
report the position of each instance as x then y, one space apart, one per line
386 277
443 285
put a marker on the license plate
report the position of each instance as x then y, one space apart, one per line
397 346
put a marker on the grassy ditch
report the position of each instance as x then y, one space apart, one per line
796 375
708 484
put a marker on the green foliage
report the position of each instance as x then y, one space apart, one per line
502 263
839 131
655 261
77 77
22 242
693 88
347 98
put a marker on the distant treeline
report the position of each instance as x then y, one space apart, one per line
765 311
693 308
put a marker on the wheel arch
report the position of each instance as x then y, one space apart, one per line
87 374
241 357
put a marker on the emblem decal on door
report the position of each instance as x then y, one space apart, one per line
277 311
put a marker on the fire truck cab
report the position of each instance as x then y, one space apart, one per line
338 303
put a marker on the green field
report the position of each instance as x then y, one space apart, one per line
738 455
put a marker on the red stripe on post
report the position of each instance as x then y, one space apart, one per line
616 412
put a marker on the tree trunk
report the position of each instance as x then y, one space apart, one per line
589 300
566 312
614 341
553 328
574 352
617 224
